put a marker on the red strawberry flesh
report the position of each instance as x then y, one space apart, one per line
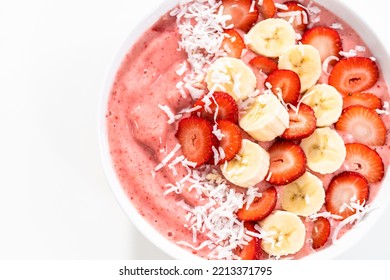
252 251
231 140
243 13
285 83
302 123
320 232
233 44
265 64
354 74
364 160
365 99
325 39
287 162
345 188
224 102
268 9
260 207
196 139
300 21
364 124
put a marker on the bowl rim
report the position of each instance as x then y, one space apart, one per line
169 247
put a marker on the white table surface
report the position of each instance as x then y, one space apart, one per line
55 202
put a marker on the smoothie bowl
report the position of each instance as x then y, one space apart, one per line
249 129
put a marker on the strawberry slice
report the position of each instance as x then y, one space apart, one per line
233 44
231 140
298 12
268 9
252 251
260 208
286 83
302 124
227 107
287 163
325 39
321 232
354 74
365 99
243 13
195 136
364 124
265 64
365 161
345 188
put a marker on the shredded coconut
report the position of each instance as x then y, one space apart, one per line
325 64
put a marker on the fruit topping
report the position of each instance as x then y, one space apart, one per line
304 196
252 251
265 64
260 208
268 9
365 161
296 11
287 162
196 139
243 13
365 99
364 124
354 74
233 44
285 83
231 140
344 189
220 104
302 123
325 39
320 232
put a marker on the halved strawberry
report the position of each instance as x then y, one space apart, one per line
364 124
231 141
365 161
260 208
345 188
287 162
365 99
354 74
195 136
301 16
302 123
288 83
265 64
227 107
268 9
243 13
233 44
325 39
252 251
320 232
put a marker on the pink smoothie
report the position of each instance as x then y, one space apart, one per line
140 137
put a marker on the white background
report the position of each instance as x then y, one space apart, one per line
55 202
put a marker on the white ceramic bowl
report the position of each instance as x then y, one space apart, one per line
348 241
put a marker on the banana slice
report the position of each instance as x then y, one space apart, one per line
285 233
233 76
305 196
326 102
304 60
325 150
271 37
249 167
265 119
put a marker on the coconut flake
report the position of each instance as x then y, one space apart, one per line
281 6
325 64
361 211
168 157
337 25
350 53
